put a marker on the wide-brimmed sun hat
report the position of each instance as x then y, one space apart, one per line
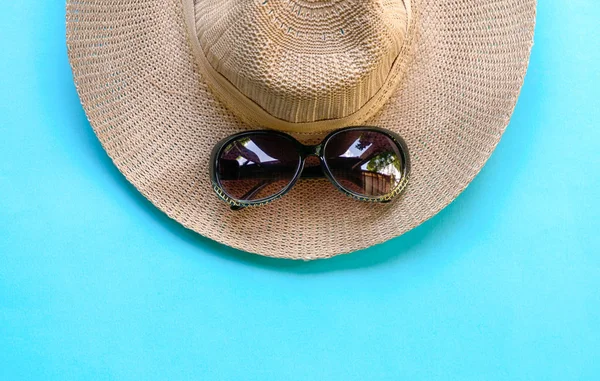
162 81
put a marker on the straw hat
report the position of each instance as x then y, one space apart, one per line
162 81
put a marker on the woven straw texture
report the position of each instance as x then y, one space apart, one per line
301 66
148 102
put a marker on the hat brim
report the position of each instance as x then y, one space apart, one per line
140 86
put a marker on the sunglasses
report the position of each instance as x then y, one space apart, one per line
254 168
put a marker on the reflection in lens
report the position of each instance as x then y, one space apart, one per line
367 163
258 166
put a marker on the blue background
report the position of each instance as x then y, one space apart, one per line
97 284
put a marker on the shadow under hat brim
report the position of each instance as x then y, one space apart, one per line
157 119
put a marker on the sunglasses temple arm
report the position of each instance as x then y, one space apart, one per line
314 172
251 193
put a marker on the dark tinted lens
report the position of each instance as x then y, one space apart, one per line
257 166
367 163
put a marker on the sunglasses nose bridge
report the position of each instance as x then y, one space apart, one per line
313 150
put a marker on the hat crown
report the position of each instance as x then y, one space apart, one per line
303 61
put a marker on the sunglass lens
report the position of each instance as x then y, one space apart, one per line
364 162
257 166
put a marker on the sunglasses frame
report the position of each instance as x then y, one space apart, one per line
305 151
